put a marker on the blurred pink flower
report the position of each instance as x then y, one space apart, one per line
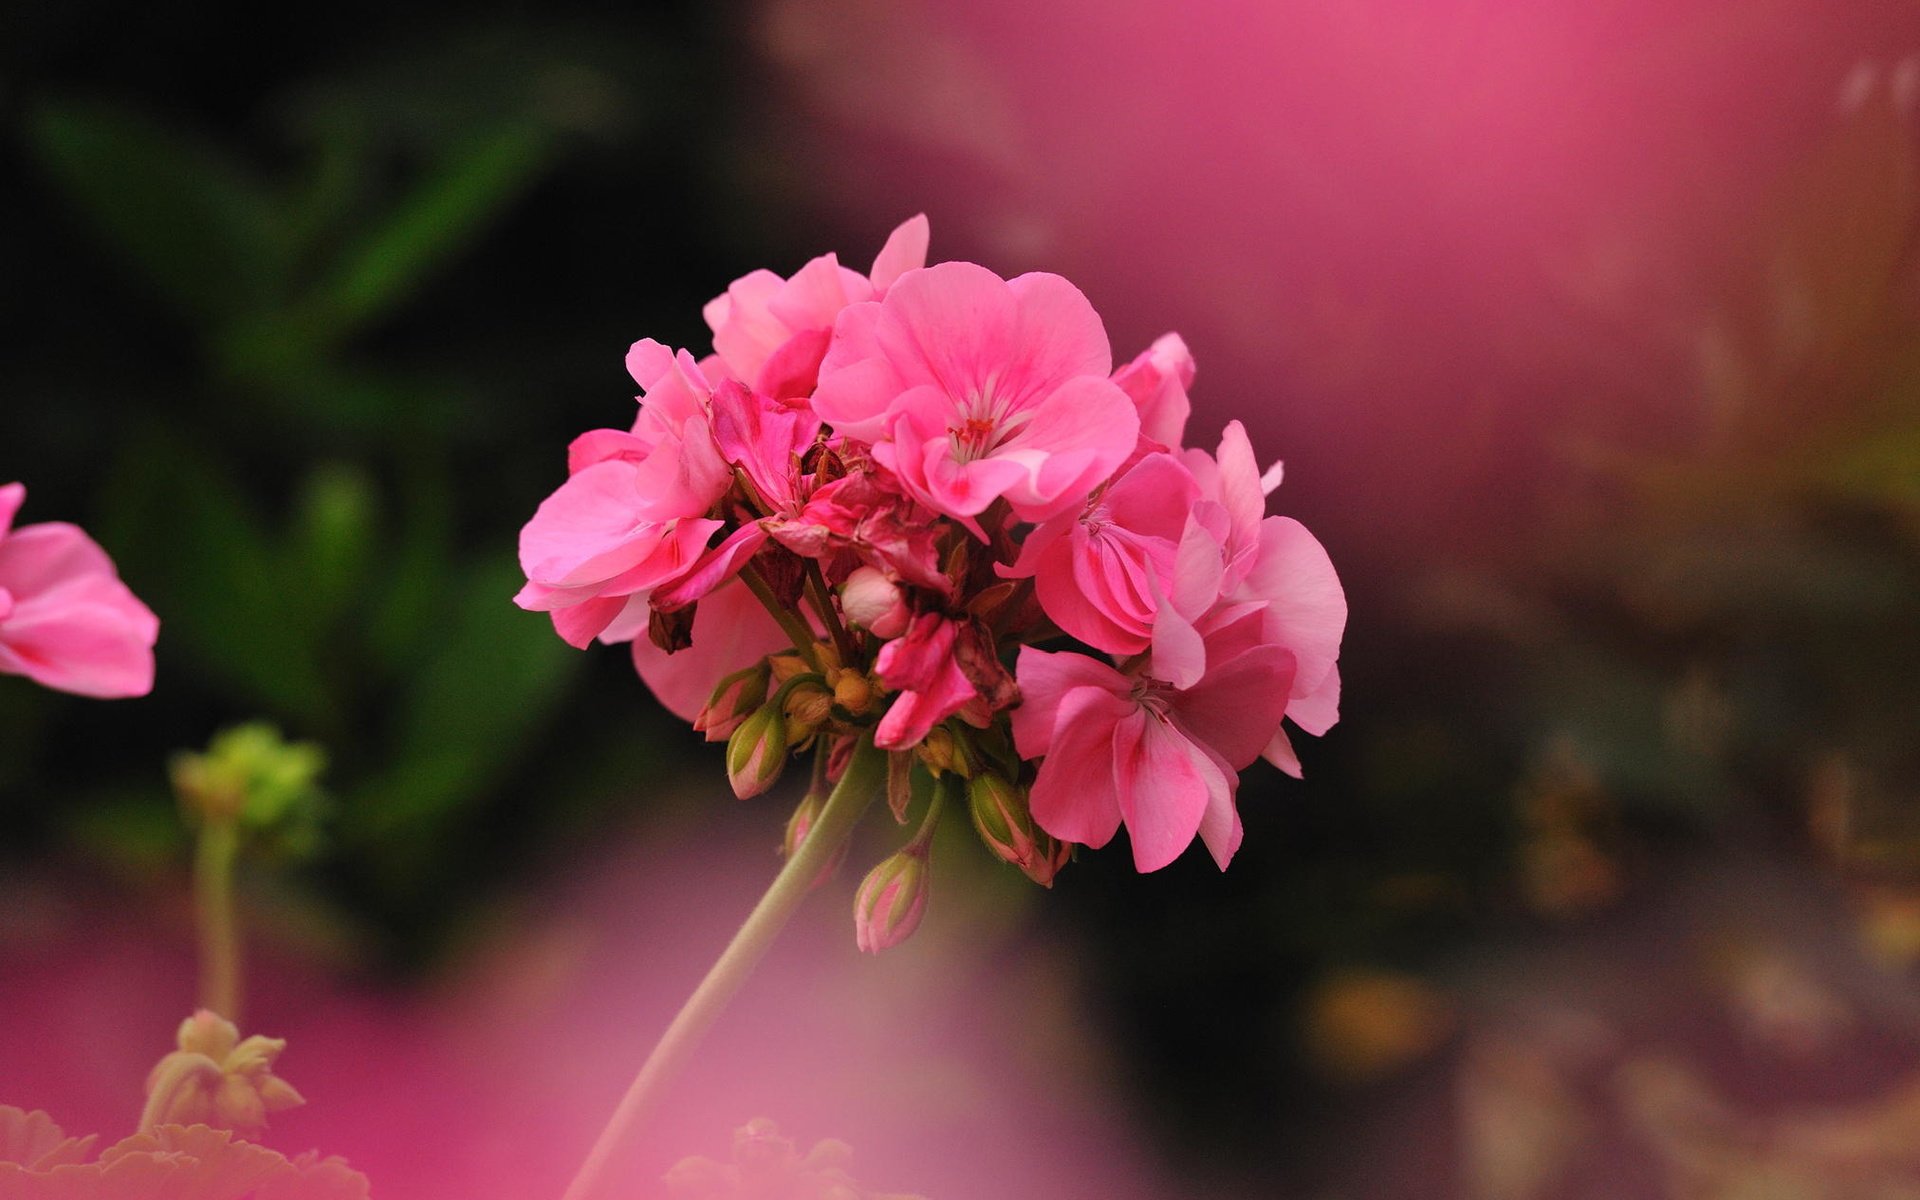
66 620
173 1162
973 387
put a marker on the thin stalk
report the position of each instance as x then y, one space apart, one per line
823 601
219 925
790 619
849 799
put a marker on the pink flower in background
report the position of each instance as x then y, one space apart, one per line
66 620
973 387
173 1162
1136 750
771 333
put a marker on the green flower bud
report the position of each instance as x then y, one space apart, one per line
1006 825
757 751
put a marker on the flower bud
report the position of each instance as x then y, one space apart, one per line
852 690
938 750
799 825
732 701
891 900
807 705
217 1079
875 603
1005 824
757 751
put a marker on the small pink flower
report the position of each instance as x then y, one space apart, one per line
924 667
1133 749
864 517
1102 573
631 516
66 620
771 333
972 387
1157 382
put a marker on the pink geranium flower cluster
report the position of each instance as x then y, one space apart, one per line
920 505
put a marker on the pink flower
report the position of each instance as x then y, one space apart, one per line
864 516
924 666
1132 749
631 516
66 620
1102 573
972 387
1277 585
771 333
1157 382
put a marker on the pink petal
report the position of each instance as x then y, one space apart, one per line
1073 795
1179 653
1059 334
1306 606
952 324
1239 703
1220 827
1157 383
748 332
37 558
816 294
1045 678
1077 437
1318 710
906 250
1153 497
714 567
90 648
1161 780
589 529
579 624
1279 752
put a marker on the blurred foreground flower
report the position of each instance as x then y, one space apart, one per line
766 1166
66 620
217 1079
173 1162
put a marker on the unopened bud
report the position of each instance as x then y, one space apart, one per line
732 702
875 603
891 900
799 825
757 751
1006 825
938 751
852 690
217 1079
806 706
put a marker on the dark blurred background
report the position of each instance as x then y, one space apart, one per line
1588 334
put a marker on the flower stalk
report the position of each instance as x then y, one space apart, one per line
857 789
216 850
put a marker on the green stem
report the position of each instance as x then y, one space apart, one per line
219 926
790 619
849 799
823 600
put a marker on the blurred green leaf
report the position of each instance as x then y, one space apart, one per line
332 542
469 709
201 229
470 184
209 566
